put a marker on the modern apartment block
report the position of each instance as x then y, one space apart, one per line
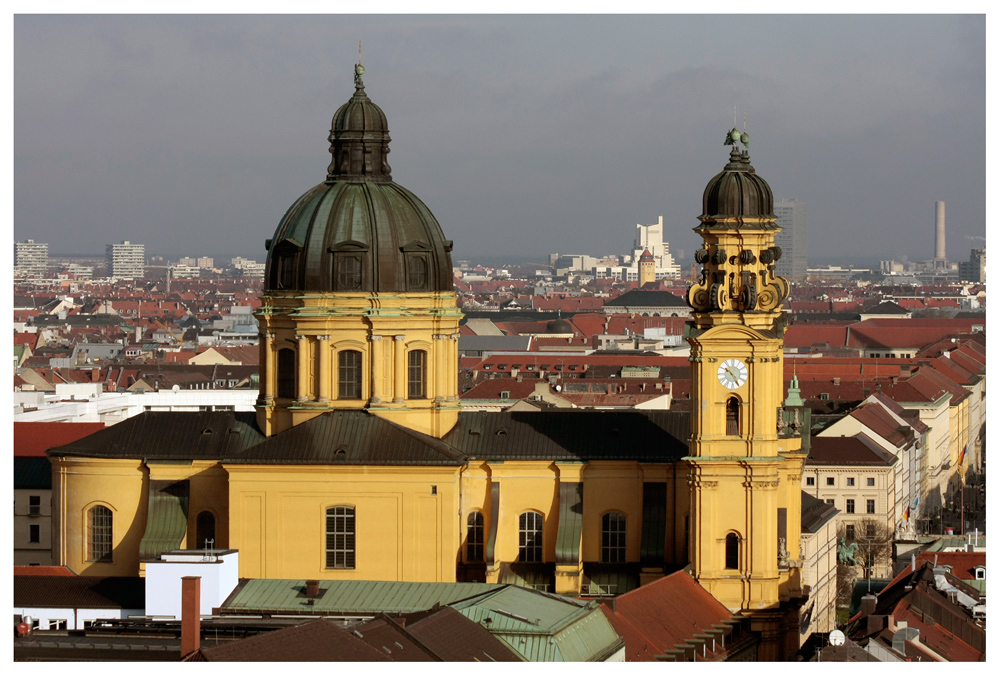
31 258
793 219
126 260
975 269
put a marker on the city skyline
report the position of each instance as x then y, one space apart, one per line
558 133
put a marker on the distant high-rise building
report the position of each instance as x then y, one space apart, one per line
975 269
31 258
792 218
188 261
206 262
126 260
650 238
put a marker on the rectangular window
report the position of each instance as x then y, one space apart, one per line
34 505
34 533
870 506
349 374
850 481
850 531
613 538
475 537
870 531
850 506
870 481
58 625
829 502
830 481
340 537
416 380
810 481
530 538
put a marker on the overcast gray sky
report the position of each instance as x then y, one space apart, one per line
523 134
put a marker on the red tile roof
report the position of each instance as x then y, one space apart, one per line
963 564
656 617
32 439
856 450
46 571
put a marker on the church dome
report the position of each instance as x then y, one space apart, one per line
358 231
559 326
737 192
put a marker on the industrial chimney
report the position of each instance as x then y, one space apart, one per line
939 252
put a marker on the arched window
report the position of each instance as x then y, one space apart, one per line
205 530
613 538
733 417
417 271
286 271
340 537
476 529
348 272
286 373
101 535
733 551
349 374
417 375
529 538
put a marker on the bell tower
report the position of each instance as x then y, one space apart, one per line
745 510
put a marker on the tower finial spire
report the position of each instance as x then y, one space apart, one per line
359 52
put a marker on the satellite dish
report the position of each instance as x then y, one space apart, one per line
176 388
837 637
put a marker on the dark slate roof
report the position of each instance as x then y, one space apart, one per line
647 436
351 438
170 435
815 512
316 641
39 591
886 307
640 298
493 343
856 450
361 438
455 638
32 473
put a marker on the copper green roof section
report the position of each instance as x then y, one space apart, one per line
570 523
166 518
349 597
543 627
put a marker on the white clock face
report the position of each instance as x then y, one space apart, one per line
733 373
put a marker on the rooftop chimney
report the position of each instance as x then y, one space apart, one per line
190 615
312 588
868 604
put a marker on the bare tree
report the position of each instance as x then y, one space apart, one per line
874 540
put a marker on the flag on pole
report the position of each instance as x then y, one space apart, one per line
907 515
961 458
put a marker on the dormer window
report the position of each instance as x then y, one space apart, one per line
416 270
980 572
286 271
347 271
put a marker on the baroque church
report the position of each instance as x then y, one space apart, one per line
360 464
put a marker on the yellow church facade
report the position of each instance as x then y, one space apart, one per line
358 462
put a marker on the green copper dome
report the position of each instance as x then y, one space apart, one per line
737 192
359 231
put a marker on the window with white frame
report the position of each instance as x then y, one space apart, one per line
529 537
100 533
340 537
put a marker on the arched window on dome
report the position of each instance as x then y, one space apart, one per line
286 270
349 374
417 375
416 268
286 373
732 417
347 272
